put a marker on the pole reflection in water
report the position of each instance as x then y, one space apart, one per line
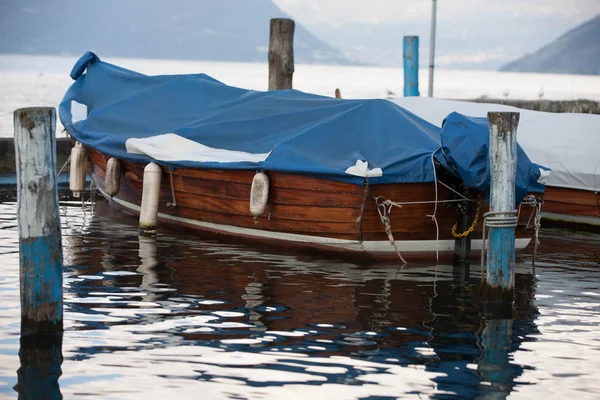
494 367
41 359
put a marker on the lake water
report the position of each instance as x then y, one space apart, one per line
188 317
27 81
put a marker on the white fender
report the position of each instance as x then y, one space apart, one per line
259 194
150 194
112 178
79 165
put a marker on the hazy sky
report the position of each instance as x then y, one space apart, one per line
470 33
378 11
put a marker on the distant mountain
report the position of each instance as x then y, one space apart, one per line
575 52
220 30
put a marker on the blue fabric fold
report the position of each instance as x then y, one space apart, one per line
82 64
465 145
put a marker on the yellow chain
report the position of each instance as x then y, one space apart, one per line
471 228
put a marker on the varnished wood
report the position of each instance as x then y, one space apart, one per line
332 209
572 202
297 204
410 221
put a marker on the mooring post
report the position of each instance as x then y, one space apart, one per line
411 66
38 217
502 220
281 53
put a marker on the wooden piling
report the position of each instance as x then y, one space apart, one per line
411 66
39 221
501 220
281 53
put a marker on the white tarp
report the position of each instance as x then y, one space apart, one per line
172 147
567 143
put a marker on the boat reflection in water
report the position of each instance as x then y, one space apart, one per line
192 314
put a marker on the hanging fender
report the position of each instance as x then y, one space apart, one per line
150 195
112 178
78 171
259 194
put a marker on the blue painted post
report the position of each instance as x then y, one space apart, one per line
501 220
39 221
411 66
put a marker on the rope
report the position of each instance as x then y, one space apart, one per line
536 215
433 216
383 212
495 219
457 193
174 203
64 165
385 207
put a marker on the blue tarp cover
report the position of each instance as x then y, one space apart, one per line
465 144
305 133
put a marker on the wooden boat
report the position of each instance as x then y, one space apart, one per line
303 212
205 143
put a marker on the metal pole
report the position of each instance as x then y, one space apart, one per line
411 66
501 220
40 249
432 48
462 245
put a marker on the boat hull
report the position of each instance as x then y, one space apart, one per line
572 208
302 212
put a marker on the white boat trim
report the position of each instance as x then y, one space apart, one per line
374 246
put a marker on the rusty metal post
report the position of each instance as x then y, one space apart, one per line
462 245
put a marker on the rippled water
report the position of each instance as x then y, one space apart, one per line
188 317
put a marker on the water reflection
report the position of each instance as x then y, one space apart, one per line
41 359
237 298
227 320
